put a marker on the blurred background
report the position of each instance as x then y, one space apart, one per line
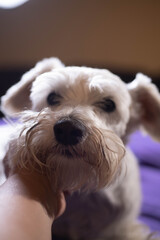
121 35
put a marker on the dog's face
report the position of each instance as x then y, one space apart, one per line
96 97
79 119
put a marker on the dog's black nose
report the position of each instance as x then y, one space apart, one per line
69 131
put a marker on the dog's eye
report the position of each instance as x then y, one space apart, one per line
53 99
107 105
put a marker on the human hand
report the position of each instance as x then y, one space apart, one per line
28 207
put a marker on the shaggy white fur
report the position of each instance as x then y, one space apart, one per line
75 129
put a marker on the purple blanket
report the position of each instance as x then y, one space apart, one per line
148 154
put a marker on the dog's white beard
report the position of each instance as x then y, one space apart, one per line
91 164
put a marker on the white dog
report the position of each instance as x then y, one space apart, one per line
76 131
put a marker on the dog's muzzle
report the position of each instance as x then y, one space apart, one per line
69 131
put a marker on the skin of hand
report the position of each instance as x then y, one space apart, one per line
28 207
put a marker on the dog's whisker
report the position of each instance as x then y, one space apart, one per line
99 161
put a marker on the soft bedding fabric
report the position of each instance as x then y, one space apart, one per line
150 212
148 154
146 150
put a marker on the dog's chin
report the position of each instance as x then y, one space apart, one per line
70 152
66 153
69 172
90 164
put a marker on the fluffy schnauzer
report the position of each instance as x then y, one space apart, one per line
75 131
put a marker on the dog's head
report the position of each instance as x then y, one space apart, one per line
79 121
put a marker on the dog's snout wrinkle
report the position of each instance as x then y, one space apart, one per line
69 131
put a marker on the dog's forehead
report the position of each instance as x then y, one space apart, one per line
77 79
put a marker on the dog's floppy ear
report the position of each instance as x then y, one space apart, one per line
17 98
146 104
